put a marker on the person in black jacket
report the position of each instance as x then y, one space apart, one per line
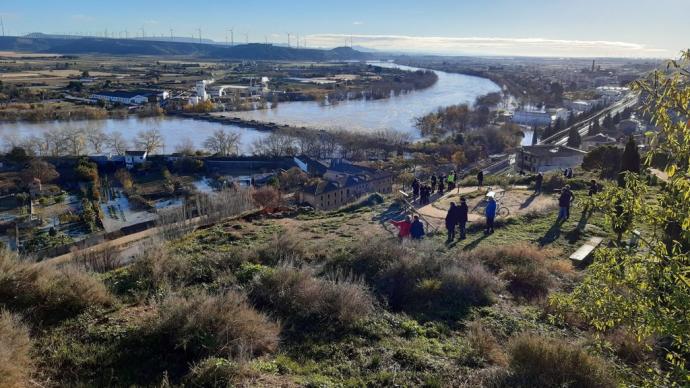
462 217
452 220
538 183
415 189
480 178
564 202
433 183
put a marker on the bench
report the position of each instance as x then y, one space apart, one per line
581 255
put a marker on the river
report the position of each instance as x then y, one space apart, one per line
396 113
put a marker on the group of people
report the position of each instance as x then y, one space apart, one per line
438 183
410 228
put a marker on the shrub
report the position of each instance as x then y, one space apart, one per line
282 247
266 197
42 292
295 294
15 344
485 344
215 325
539 362
523 266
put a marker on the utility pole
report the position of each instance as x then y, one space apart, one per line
2 24
232 36
199 29
143 33
288 34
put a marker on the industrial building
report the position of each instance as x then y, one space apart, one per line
133 97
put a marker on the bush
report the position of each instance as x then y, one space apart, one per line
215 325
15 344
523 266
485 344
282 247
42 292
539 362
295 294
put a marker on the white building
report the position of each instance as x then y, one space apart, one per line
545 157
532 118
135 97
133 158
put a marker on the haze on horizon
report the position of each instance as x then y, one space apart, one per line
585 28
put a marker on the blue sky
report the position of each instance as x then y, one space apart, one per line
640 28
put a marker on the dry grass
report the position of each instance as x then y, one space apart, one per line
42 292
540 362
485 344
15 344
296 294
282 247
215 325
523 266
627 347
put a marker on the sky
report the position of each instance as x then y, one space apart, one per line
583 28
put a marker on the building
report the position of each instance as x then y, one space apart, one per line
591 142
532 118
545 157
133 158
343 183
134 97
580 106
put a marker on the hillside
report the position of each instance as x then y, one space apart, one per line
252 51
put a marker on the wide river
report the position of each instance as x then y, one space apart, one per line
397 113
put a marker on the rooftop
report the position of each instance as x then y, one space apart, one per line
544 150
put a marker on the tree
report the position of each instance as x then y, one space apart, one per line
535 136
459 158
96 138
18 155
594 128
117 143
574 138
630 161
149 140
223 143
646 289
185 147
275 145
41 170
75 140
606 159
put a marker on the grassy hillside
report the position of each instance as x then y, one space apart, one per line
320 299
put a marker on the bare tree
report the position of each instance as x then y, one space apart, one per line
185 147
149 140
223 143
37 145
56 142
117 143
75 141
43 171
97 139
275 145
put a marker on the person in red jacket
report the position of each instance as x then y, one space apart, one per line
403 227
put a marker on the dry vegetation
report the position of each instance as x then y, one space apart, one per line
15 345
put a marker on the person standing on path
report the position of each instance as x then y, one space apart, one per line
538 183
451 181
452 219
463 210
490 213
415 189
433 183
564 202
480 178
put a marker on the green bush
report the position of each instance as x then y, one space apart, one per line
297 295
540 362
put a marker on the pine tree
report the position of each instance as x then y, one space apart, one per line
535 136
594 128
574 138
630 162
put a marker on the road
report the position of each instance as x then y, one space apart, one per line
561 138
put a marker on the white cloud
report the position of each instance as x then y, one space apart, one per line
491 46
357 23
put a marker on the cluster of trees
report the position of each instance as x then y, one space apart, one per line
453 119
72 141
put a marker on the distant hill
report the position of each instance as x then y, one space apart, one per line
252 51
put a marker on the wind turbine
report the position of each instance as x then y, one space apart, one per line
288 34
171 35
199 29
2 24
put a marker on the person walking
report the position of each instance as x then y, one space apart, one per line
490 213
440 185
564 202
417 229
480 178
463 211
538 183
433 183
415 189
452 219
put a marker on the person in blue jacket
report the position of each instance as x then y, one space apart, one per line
490 213
417 229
